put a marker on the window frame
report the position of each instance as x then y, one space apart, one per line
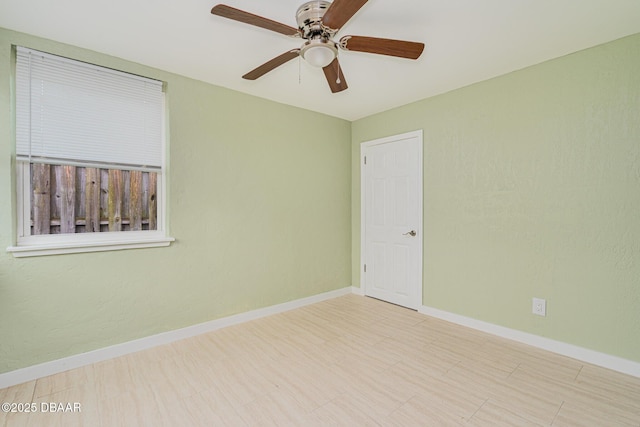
27 245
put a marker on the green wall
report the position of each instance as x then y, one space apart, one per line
260 208
532 188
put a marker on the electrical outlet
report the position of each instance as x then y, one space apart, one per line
539 307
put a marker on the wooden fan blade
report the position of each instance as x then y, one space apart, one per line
399 48
340 12
335 78
251 19
270 65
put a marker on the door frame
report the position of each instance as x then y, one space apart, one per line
364 146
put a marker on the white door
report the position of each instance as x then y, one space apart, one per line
392 219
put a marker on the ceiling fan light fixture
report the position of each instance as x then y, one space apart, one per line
319 53
318 23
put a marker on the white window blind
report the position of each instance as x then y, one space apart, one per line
71 112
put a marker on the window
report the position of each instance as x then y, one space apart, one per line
89 157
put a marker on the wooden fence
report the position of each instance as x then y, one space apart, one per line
70 199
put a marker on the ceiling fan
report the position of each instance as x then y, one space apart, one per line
318 22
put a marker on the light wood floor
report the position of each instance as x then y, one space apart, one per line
350 361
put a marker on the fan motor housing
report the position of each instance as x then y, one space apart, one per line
309 18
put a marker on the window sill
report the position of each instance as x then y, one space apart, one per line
82 244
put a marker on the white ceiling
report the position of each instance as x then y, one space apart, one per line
466 41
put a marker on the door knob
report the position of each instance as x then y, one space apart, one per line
411 233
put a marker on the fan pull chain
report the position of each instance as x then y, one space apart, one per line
338 79
299 69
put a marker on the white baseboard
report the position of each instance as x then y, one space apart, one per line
34 372
31 373
590 356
